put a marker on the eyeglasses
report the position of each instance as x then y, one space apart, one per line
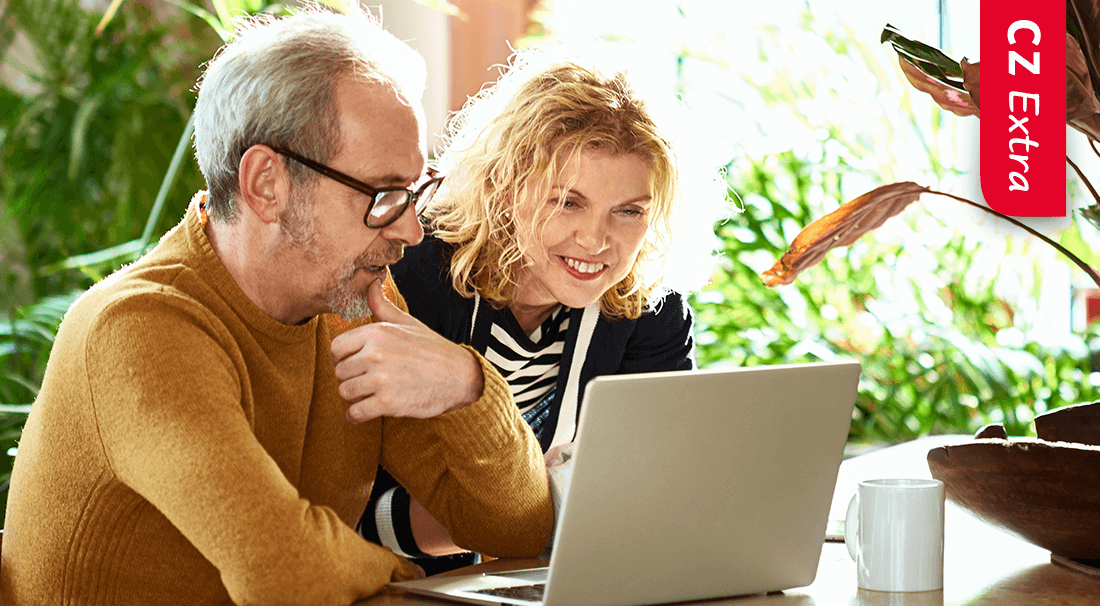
387 204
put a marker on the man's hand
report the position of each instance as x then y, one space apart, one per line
397 367
406 570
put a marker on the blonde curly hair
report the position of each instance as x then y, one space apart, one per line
509 143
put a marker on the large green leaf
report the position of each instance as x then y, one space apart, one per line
25 329
114 255
19 409
205 15
929 59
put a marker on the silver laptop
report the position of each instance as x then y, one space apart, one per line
686 486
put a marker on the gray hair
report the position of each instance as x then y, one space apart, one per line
274 84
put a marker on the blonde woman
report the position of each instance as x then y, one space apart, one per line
563 220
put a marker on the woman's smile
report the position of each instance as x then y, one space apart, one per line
582 270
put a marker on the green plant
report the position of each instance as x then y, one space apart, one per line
940 353
25 340
84 150
1034 377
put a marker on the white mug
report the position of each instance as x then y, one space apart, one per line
894 532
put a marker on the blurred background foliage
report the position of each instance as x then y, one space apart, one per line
89 124
939 354
945 322
87 139
944 318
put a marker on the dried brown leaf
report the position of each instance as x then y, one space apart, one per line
841 227
954 101
1082 108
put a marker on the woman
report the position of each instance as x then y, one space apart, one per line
565 201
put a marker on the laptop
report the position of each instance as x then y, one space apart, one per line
688 485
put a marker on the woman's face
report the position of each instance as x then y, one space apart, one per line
579 253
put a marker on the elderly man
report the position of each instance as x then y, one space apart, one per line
193 441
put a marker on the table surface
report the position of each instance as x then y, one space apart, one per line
982 564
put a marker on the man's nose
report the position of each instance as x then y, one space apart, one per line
406 229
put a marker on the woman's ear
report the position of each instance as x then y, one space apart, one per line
261 177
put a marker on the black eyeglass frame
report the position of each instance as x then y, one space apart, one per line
435 179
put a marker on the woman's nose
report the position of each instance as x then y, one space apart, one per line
594 235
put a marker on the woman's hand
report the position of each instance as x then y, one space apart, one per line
431 537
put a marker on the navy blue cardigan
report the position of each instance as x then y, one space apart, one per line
659 340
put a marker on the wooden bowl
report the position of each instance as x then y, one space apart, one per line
1079 423
1047 493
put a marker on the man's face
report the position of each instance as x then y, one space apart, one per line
332 255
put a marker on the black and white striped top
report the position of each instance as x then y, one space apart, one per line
529 364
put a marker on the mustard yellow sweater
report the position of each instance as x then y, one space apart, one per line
187 449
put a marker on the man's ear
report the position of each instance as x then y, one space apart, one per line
262 178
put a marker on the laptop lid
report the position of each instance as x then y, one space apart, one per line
692 485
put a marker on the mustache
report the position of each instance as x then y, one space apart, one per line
392 253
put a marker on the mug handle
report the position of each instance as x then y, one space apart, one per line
851 527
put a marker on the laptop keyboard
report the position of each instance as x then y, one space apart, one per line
531 593
535 575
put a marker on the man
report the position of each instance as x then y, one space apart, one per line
193 441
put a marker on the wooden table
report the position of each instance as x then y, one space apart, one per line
982 564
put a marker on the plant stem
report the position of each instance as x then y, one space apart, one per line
169 180
1072 257
1084 179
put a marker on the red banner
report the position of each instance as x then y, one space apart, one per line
1023 105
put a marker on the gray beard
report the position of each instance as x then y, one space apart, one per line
346 302
300 232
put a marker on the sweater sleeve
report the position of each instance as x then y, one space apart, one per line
478 470
662 339
170 417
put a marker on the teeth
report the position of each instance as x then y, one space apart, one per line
584 268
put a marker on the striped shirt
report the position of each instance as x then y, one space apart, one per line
529 364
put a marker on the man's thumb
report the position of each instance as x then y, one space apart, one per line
382 308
